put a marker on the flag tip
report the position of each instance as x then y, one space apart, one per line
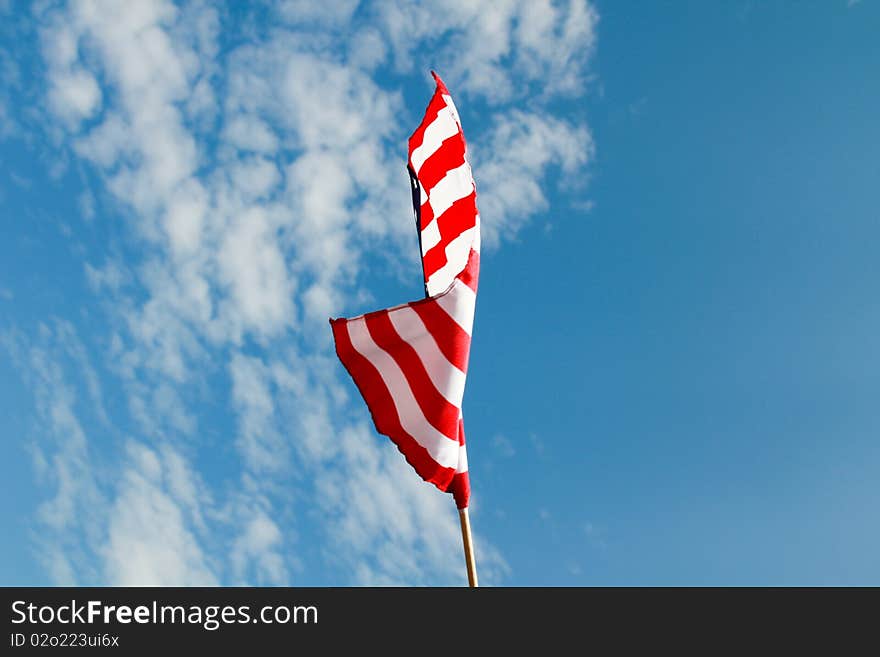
439 82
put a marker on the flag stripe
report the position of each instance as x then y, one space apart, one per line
476 245
460 487
383 409
464 216
458 183
452 108
441 448
435 408
449 156
436 104
457 219
472 272
448 219
459 305
430 237
448 380
457 254
452 339
440 129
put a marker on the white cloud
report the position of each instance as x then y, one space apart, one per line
299 12
148 541
367 49
595 535
503 445
259 545
7 124
185 486
61 459
509 168
184 218
250 133
255 177
11 84
411 532
125 525
499 50
105 143
75 94
86 203
259 441
60 452
253 267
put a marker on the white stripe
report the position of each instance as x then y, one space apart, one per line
442 449
460 303
448 100
446 377
430 236
457 253
462 460
476 245
455 185
441 128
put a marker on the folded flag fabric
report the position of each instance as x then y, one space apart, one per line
410 362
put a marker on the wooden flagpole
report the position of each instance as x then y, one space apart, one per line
468 547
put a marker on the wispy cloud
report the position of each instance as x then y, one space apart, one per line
503 446
500 50
114 517
512 165
60 452
149 539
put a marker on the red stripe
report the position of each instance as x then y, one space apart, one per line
437 103
461 489
460 216
383 409
449 156
426 214
441 88
471 273
451 339
461 482
437 410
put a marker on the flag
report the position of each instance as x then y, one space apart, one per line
410 362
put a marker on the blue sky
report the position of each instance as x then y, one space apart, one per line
675 365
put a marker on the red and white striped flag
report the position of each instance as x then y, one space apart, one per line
409 362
